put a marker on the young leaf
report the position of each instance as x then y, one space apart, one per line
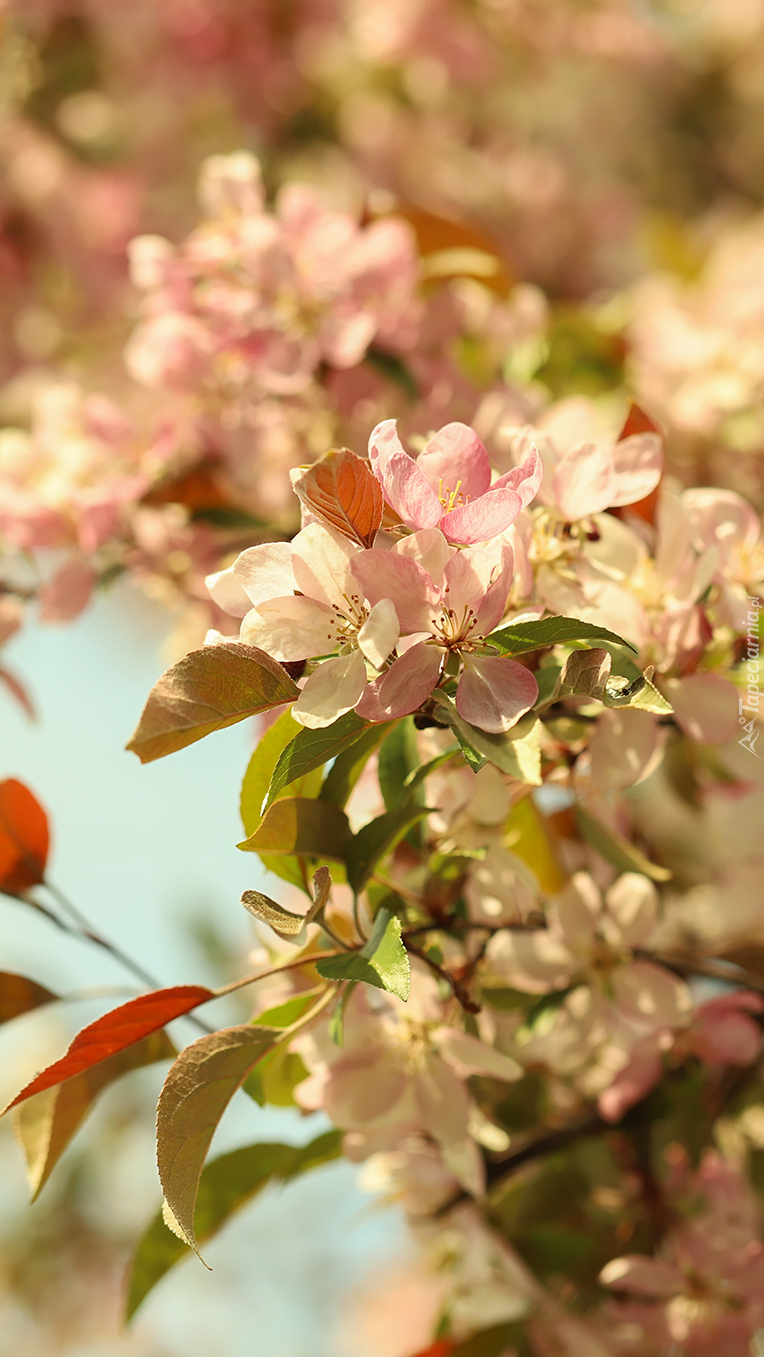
226 1185
376 839
586 672
382 961
398 758
297 825
114 1032
24 838
196 1092
517 753
208 690
19 995
287 925
313 748
551 631
639 692
47 1122
257 778
342 490
348 766
617 850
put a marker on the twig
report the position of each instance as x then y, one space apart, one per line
275 970
459 993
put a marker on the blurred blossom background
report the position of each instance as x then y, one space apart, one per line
232 234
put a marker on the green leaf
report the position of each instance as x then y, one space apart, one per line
337 1020
348 766
208 690
383 961
518 753
398 758
617 850
196 1092
551 631
257 778
46 1123
226 1184
415 779
376 839
639 693
297 825
389 365
313 748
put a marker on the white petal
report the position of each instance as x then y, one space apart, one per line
332 690
290 628
228 592
632 904
321 563
469 1056
380 632
265 572
534 961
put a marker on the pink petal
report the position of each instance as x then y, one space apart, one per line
405 686
524 479
643 1276
494 692
584 481
630 1084
386 574
482 518
383 442
67 593
409 494
705 706
638 463
291 628
455 456
332 689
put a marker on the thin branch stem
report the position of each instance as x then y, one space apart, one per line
458 991
275 970
91 934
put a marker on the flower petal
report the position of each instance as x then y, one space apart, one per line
637 463
321 561
524 479
494 692
385 574
534 961
430 549
482 518
632 905
265 571
469 1055
455 456
405 686
705 706
383 442
584 481
291 628
380 633
333 689
228 592
650 996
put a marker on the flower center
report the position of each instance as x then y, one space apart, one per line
451 499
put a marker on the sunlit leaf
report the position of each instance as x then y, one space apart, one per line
46 1123
342 490
383 961
24 838
551 631
398 757
115 1031
208 690
297 825
638 692
375 840
257 778
517 753
617 850
196 1092
284 922
313 748
348 766
19 995
226 1185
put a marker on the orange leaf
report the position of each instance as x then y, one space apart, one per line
443 1348
115 1031
24 838
343 491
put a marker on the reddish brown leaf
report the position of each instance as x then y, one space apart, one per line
443 236
24 838
342 490
115 1031
199 488
443 1348
19 995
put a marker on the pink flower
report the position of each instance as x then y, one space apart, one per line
724 1033
454 599
449 485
